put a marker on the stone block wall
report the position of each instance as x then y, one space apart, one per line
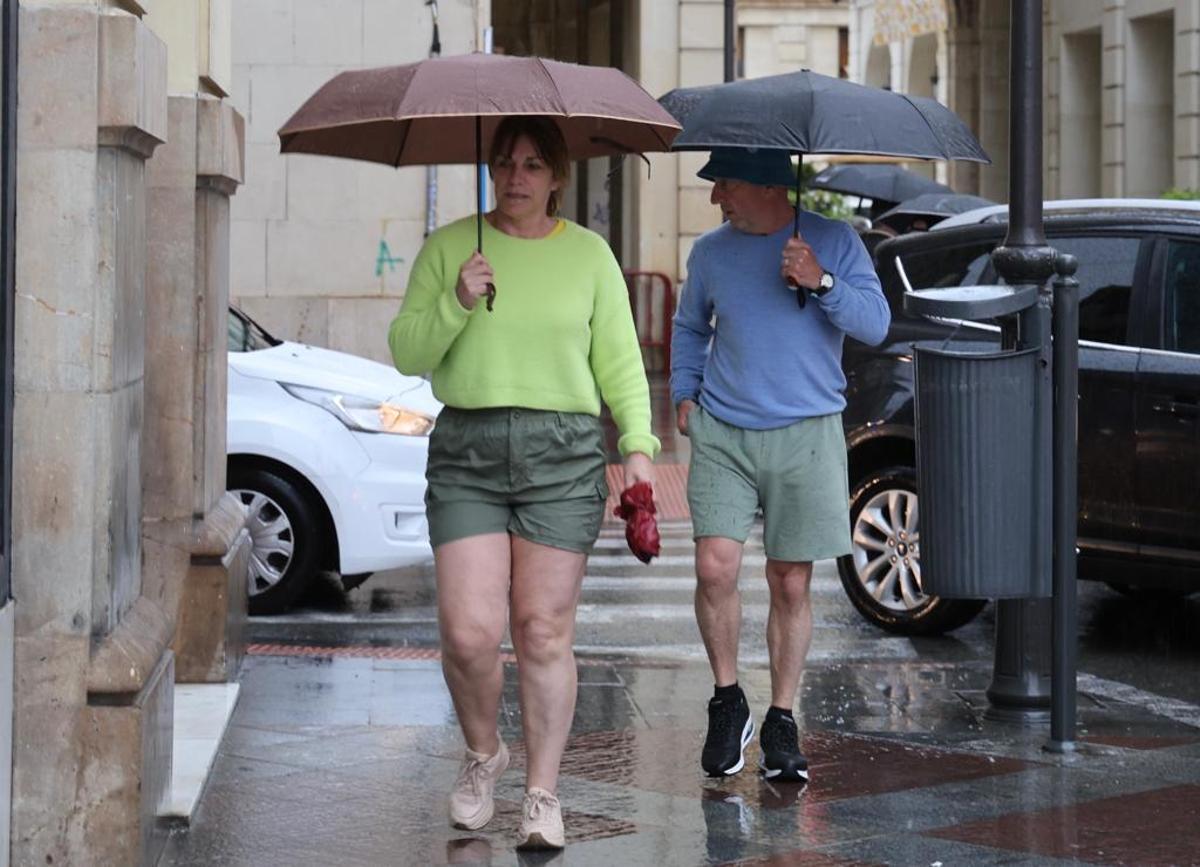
92 108
320 248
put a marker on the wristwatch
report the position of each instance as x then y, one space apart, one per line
824 285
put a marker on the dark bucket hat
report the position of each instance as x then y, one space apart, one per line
766 168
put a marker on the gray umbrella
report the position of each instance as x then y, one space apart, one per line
806 112
876 181
932 207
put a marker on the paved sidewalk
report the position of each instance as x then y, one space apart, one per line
344 758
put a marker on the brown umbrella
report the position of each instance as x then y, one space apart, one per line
425 113
445 110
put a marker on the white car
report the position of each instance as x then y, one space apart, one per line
327 452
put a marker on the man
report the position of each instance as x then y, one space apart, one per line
757 382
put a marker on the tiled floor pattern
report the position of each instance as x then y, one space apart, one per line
670 491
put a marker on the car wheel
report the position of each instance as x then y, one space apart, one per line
882 575
283 527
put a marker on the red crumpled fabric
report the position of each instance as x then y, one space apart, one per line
641 527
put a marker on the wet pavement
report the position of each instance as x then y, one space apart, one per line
344 742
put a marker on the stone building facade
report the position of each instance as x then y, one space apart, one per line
1121 91
321 247
125 548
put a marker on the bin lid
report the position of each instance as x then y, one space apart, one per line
970 302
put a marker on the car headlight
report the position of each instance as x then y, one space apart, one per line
365 413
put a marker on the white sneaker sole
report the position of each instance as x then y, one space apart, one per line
537 840
772 773
475 822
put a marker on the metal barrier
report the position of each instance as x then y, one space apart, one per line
652 300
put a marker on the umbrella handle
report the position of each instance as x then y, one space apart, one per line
801 293
479 203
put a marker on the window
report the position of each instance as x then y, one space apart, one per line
1105 275
956 266
246 335
1182 297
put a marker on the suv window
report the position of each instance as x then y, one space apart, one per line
957 266
1183 296
1105 275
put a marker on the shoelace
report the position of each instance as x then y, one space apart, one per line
720 716
471 774
539 803
781 736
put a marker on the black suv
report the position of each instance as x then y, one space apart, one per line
1139 404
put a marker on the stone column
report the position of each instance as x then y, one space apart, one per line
994 63
194 536
93 669
963 90
1052 150
701 61
1112 105
1187 95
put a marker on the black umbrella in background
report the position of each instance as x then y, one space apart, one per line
886 184
930 207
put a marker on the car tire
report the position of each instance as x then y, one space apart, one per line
286 540
349 582
888 497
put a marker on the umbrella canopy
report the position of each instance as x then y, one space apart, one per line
932 207
806 112
426 113
878 182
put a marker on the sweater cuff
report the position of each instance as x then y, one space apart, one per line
451 309
833 294
646 443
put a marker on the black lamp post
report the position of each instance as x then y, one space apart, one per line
1029 678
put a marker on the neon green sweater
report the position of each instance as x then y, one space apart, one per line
561 335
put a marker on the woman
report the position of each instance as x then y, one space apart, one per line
516 462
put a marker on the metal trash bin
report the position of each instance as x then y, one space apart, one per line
976 471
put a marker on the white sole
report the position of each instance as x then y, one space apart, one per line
537 841
772 773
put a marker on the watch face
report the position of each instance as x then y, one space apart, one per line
826 280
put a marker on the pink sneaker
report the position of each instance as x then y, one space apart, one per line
471 802
541 821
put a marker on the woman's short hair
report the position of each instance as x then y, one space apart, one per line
548 142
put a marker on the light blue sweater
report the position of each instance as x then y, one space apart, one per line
745 349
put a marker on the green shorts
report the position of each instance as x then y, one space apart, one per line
531 473
795 474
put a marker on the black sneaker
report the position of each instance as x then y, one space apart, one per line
781 759
730 728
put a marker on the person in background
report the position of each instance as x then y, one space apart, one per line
517 461
757 381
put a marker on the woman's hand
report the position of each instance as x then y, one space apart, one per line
473 279
638 468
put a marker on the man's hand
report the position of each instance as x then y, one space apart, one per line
473 279
800 266
681 415
638 468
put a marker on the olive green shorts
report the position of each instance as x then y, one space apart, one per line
531 473
795 474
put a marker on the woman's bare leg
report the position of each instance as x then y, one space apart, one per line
473 577
545 592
